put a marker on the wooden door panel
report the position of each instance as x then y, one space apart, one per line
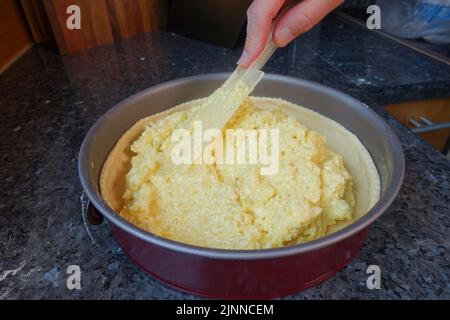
104 21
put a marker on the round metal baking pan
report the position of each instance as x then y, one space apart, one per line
243 273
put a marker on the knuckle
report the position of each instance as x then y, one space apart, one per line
307 22
252 12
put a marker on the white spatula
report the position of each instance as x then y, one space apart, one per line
224 102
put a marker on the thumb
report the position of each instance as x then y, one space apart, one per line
259 16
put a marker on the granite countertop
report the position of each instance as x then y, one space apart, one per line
48 103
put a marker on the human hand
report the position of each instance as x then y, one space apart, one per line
290 25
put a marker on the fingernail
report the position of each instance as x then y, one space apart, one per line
243 59
284 36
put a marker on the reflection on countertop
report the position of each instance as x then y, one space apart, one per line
439 52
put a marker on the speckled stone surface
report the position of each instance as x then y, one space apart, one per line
48 103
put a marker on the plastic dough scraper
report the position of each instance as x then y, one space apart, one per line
224 102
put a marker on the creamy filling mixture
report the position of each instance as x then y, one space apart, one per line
234 206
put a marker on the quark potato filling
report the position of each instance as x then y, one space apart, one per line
233 206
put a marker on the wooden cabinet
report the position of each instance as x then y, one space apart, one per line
37 20
436 111
14 34
104 21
